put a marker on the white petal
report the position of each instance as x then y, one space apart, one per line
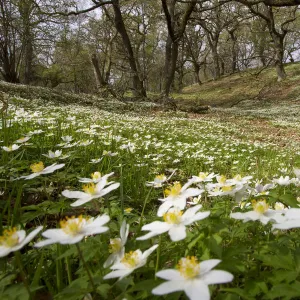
252 215
55 234
99 221
149 251
191 211
177 233
180 202
44 243
109 189
191 192
287 225
29 237
169 274
164 208
103 182
72 240
95 230
75 194
119 273
293 213
110 260
199 216
21 235
197 290
85 180
5 251
52 168
147 236
168 287
157 226
217 276
124 231
207 265
33 175
81 201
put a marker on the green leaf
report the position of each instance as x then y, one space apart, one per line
146 285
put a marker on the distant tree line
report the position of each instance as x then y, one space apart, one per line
143 46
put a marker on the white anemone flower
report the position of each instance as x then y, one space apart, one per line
260 212
73 230
91 191
262 189
39 169
159 180
130 262
238 179
203 177
95 160
11 148
192 277
297 172
176 196
117 248
13 240
292 219
23 140
174 223
109 153
67 138
52 154
96 177
282 180
224 190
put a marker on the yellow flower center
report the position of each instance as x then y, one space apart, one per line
38 167
96 175
72 226
260 206
128 210
222 179
279 206
104 152
89 188
9 238
174 190
203 175
238 177
226 188
115 245
131 259
189 267
173 217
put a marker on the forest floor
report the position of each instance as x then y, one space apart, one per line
259 107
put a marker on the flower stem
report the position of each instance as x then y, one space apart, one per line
23 274
157 257
86 267
143 210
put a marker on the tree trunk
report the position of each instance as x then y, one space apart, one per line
100 82
279 52
281 74
138 87
197 73
233 52
216 63
28 60
25 8
170 65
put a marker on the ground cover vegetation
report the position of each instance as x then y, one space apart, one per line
99 205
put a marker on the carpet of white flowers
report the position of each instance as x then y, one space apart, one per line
100 205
